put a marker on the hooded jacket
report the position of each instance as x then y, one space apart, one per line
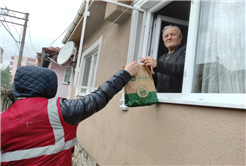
35 81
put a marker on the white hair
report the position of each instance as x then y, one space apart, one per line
180 33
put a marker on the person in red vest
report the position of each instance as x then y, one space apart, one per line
39 128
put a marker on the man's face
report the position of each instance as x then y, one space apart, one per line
171 38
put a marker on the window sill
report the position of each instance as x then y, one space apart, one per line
80 95
236 101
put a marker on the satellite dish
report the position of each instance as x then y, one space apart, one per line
65 53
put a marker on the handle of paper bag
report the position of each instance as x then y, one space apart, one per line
146 67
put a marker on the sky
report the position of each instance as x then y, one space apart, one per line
48 19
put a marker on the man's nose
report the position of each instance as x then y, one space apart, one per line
169 37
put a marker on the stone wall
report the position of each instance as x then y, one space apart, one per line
81 157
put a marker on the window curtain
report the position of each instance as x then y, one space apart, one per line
222 47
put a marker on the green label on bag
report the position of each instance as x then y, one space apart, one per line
141 98
142 91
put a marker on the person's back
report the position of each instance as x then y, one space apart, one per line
33 133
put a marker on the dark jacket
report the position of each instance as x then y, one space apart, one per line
76 110
169 73
33 81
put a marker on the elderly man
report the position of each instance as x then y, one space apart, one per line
168 68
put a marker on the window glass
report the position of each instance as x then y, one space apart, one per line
86 73
92 72
220 54
67 74
138 37
28 61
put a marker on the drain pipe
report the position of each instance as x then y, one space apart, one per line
86 14
70 87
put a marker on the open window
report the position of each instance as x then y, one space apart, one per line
214 33
175 13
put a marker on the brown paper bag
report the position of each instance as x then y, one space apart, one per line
140 90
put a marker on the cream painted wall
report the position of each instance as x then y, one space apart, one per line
165 134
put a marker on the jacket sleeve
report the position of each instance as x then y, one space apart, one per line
174 68
76 110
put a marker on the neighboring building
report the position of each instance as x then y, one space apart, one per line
48 59
203 125
26 61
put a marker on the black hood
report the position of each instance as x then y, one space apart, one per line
35 81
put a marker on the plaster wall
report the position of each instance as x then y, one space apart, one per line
165 134
62 90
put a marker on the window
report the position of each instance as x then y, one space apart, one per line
165 16
220 51
214 33
30 62
88 68
67 74
89 72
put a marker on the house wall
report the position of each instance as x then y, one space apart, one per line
165 134
62 90
161 134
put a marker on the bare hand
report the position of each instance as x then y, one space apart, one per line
132 68
149 61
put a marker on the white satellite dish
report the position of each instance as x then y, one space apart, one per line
65 53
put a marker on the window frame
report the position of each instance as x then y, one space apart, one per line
186 96
93 50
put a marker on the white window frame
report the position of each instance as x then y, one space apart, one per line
65 71
186 97
91 51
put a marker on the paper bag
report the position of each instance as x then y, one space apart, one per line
140 90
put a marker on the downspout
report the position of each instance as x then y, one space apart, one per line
86 14
70 87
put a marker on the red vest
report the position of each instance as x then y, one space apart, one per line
33 132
